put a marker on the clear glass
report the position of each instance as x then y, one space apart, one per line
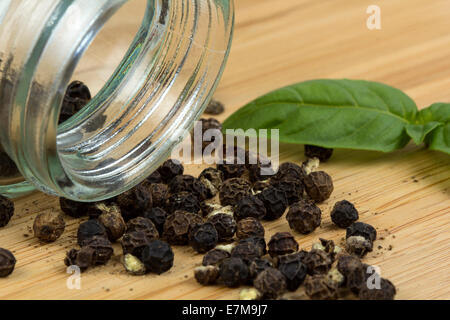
156 93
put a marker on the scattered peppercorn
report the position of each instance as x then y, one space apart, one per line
77 95
48 226
353 271
247 251
188 183
259 186
275 202
358 246
258 265
206 275
74 209
289 170
249 206
89 229
233 190
215 257
7 263
257 242
83 258
282 243
155 177
144 225
184 201
249 227
334 278
178 225
134 239
160 193
158 216
134 202
6 210
344 214
259 168
299 255
233 272
317 288
169 169
133 265
304 217
224 224
386 291
271 283
323 154
291 187
215 107
212 178
317 262
232 167
102 247
203 237
208 129
157 256
8 167
294 270
362 229
319 185
113 222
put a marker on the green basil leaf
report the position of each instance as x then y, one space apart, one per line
351 114
435 123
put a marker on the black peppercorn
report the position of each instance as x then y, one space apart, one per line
178 225
83 258
290 171
155 177
318 185
323 154
8 167
318 288
271 283
259 168
7 262
169 169
233 272
144 225
134 239
291 187
353 271
203 237
275 202
212 178
304 216
249 227
258 242
249 206
206 275
224 224
135 202
77 95
358 246
75 209
344 214
246 250
361 229
233 190
294 270
259 265
102 247
231 168
386 291
6 210
282 243
188 183
317 262
215 257
113 222
260 186
89 229
48 226
215 107
158 216
160 193
184 201
209 129
157 256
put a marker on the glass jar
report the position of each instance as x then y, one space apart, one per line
129 128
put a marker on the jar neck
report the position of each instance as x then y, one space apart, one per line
130 127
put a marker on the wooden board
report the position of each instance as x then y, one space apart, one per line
404 194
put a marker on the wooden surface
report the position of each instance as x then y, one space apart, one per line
404 194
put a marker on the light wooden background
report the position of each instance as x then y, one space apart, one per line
404 194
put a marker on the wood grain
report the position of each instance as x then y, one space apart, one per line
404 194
